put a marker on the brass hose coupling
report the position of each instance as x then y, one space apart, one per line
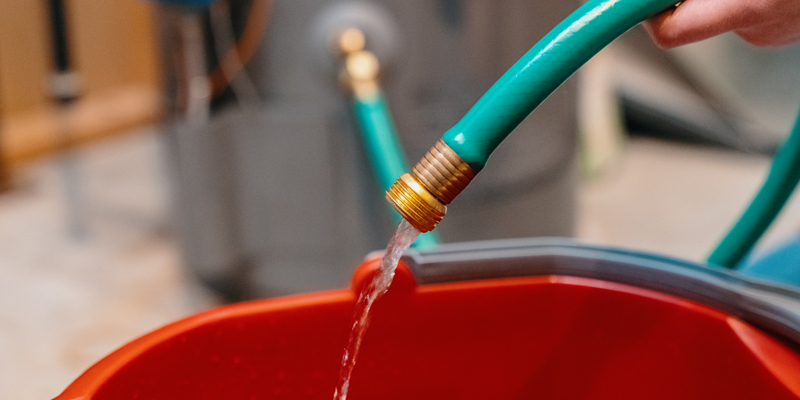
422 196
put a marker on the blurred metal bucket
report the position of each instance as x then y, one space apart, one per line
277 197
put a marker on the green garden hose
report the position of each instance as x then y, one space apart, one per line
541 70
359 76
385 153
380 138
777 188
422 195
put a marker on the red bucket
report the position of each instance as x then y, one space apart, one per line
510 320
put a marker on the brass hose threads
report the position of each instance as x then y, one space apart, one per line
443 172
415 203
421 197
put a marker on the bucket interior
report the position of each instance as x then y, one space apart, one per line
548 337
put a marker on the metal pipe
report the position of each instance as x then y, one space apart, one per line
65 88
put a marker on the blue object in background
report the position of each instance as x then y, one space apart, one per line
780 265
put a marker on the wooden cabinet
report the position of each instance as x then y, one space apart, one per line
114 51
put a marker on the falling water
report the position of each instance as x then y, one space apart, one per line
402 239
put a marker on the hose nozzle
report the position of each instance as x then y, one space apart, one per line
421 197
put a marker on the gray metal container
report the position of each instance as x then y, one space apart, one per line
277 197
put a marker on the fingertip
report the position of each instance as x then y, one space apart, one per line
696 20
661 32
667 41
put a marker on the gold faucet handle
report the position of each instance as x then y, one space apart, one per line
351 40
360 67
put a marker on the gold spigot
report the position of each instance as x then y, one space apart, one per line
351 40
422 196
360 67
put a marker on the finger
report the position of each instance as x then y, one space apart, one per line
770 36
779 25
696 20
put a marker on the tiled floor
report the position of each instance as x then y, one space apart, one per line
66 302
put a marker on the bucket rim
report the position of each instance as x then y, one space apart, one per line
771 307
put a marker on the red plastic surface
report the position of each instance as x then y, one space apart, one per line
517 338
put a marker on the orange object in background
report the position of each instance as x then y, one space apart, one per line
475 328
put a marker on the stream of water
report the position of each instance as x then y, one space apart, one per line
400 242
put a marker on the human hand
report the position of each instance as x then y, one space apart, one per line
759 22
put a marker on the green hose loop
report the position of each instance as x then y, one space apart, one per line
541 70
781 181
554 59
384 150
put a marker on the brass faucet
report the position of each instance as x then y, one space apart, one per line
421 196
360 68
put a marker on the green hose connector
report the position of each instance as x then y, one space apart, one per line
783 177
383 148
541 70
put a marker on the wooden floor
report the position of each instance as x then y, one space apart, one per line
65 302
